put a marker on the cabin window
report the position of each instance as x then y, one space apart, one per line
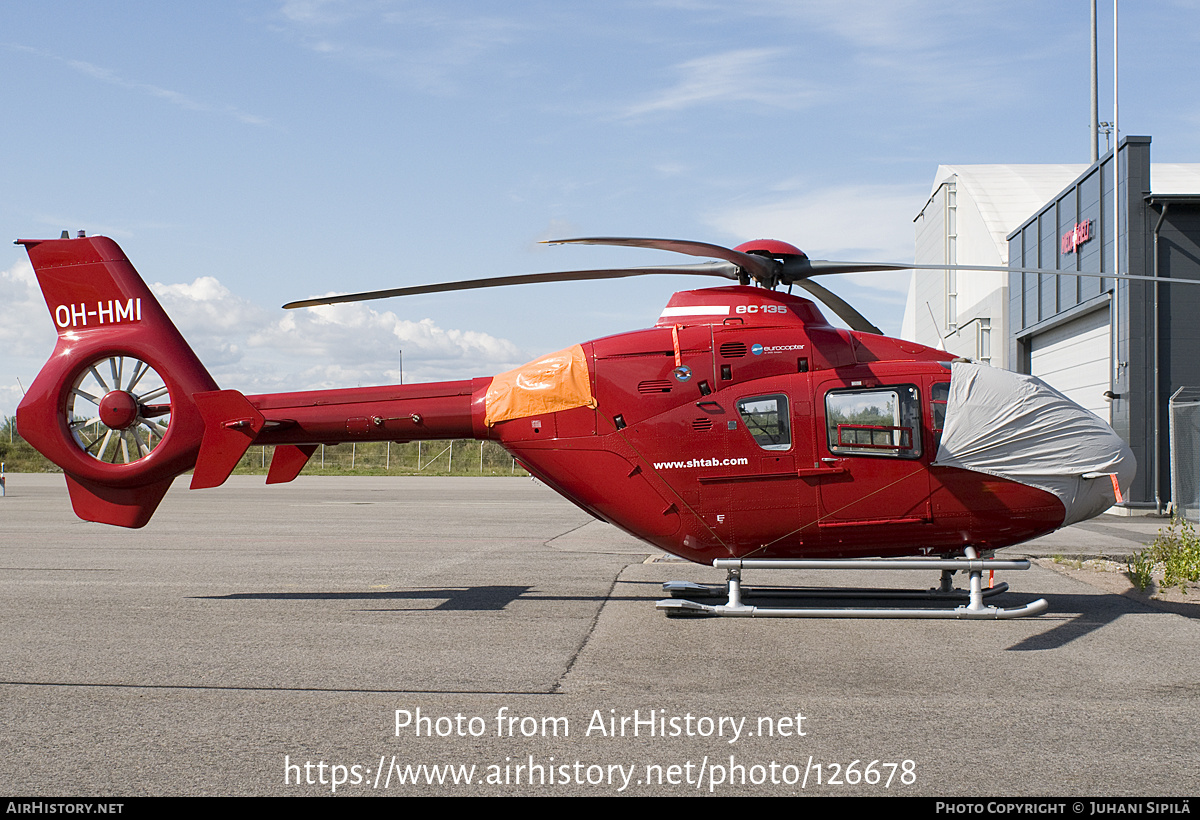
880 421
766 417
939 395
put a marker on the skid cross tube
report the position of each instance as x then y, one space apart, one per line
975 609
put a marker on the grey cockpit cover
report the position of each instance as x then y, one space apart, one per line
1018 427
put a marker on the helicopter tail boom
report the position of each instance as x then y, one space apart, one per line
295 423
124 405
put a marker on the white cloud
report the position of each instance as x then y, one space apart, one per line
870 25
930 53
10 397
26 333
27 330
208 304
890 25
857 223
107 75
246 349
427 47
251 349
863 223
212 320
357 339
314 12
750 75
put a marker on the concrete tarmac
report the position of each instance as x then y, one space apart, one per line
360 634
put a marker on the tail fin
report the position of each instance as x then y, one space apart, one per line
114 406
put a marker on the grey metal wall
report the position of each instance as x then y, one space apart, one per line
1177 220
1040 302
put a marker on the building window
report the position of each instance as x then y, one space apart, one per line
951 301
950 254
983 341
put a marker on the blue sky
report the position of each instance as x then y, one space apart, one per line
245 154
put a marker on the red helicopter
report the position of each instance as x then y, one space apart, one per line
742 430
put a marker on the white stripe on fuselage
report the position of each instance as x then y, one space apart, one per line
696 310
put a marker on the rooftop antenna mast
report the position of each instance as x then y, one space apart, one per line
1115 370
1095 129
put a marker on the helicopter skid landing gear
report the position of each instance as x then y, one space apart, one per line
974 609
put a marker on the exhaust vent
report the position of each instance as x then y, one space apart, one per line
651 386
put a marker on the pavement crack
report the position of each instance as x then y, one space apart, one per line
549 542
587 636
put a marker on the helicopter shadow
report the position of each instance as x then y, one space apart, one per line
453 599
1087 613
488 598
1078 615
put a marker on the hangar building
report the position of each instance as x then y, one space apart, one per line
1120 348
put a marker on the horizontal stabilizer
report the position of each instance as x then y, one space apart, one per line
288 461
230 424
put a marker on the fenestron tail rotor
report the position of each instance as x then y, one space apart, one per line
119 410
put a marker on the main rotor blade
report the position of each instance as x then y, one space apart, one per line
840 306
1083 273
762 269
794 271
724 270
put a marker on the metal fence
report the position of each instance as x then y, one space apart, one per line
461 457
1184 411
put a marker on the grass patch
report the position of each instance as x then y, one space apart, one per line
18 455
1140 570
1175 553
460 458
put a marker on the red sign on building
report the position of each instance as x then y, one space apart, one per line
1075 237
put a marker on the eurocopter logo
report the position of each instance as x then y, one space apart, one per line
1075 237
758 350
106 313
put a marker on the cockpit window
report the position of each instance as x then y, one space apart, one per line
881 421
766 417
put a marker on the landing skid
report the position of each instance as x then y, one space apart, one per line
687 589
974 609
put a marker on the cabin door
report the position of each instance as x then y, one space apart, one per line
869 442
